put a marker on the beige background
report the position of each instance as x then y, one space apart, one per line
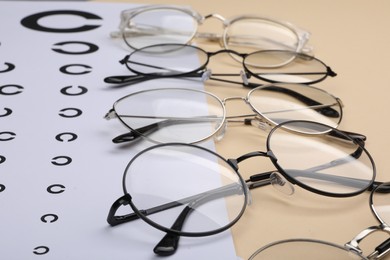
353 37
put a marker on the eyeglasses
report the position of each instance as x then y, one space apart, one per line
192 116
160 24
314 249
177 60
188 190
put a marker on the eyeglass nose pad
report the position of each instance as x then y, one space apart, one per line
221 132
244 78
206 75
281 184
249 197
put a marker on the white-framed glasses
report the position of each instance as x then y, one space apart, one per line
160 24
302 248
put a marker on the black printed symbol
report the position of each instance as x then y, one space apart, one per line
8 67
2 187
2 159
66 137
56 188
7 112
7 90
70 112
61 160
7 136
49 218
67 69
90 47
68 90
41 250
32 21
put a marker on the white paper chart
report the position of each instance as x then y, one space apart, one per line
59 170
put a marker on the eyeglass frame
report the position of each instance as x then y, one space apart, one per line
254 181
381 250
126 15
262 121
205 74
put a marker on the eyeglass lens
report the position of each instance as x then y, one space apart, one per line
321 163
272 66
380 203
184 183
249 34
159 26
172 115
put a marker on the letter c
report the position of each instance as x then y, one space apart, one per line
56 189
7 93
32 21
41 250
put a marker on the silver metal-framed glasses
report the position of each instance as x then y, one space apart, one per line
188 190
192 116
302 248
159 24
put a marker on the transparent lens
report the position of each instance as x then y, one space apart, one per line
285 66
284 102
168 181
380 203
297 249
158 27
172 115
252 34
167 60
331 163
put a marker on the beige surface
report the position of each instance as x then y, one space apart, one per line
353 37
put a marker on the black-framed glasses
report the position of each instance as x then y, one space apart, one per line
177 60
159 24
301 248
188 190
191 116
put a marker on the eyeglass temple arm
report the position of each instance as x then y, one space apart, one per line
126 199
135 134
170 242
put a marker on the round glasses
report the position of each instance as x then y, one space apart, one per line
160 24
317 249
177 60
188 190
192 116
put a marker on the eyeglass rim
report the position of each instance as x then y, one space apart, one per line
273 123
219 128
295 55
127 15
186 233
309 240
372 206
127 58
303 185
244 56
301 35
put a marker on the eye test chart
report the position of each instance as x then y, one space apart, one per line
59 170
